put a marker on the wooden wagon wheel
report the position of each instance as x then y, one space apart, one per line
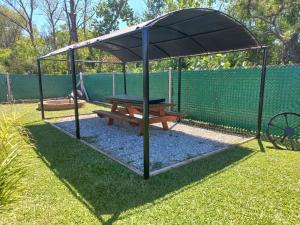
283 130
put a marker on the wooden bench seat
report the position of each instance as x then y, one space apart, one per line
177 114
118 116
137 119
171 114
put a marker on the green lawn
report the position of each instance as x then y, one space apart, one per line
70 183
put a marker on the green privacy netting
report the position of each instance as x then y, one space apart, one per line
158 83
101 85
224 97
227 97
26 86
3 88
230 97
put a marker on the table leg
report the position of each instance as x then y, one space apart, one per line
164 123
114 107
131 111
141 129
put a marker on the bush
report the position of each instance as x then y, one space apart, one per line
14 142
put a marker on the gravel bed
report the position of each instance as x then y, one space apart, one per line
121 140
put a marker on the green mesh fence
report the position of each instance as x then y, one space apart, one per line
158 85
223 97
26 86
230 97
57 86
282 92
101 85
3 88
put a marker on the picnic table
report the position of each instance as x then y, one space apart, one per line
130 109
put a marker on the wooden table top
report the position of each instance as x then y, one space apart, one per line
137 100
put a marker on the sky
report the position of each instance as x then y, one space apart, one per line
137 5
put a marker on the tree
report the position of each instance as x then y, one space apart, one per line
276 22
86 16
76 15
154 8
23 56
109 13
25 10
71 16
11 31
53 12
172 5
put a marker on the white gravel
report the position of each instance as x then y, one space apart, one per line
120 140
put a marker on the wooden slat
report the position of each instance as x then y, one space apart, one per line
118 116
133 99
179 115
159 119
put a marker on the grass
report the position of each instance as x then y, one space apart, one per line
14 141
69 183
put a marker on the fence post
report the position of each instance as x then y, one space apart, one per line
114 83
170 87
9 90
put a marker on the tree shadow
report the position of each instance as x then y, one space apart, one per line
106 187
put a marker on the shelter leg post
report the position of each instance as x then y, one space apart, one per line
145 34
179 85
170 87
124 77
41 88
114 83
262 91
72 57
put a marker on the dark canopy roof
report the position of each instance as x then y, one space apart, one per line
179 33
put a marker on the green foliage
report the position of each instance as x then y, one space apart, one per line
10 32
109 13
14 141
23 56
4 59
155 8
275 23
172 5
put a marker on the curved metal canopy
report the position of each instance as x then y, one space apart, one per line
179 33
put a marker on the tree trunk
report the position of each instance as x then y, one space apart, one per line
53 37
73 23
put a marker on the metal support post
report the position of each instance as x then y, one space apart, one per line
72 57
41 88
179 85
145 34
261 93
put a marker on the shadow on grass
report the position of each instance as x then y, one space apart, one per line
106 187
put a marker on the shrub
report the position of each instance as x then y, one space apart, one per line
14 142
